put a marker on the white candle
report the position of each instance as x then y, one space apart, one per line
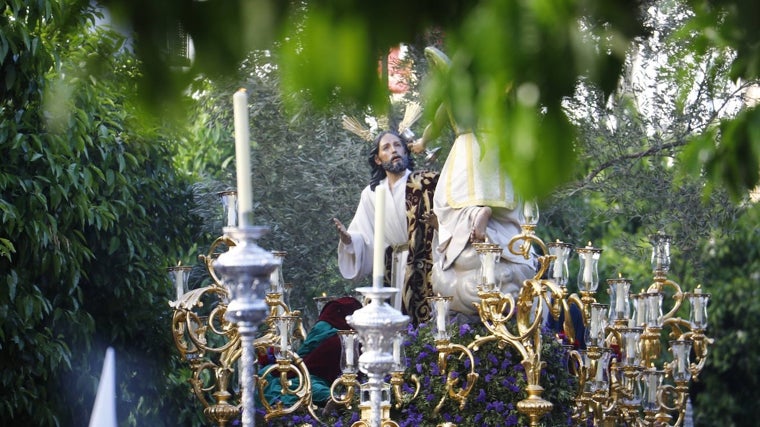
284 329
528 212
652 388
630 349
397 351
593 328
232 212
349 351
620 298
441 316
600 370
557 270
588 267
488 268
378 271
641 311
179 282
242 157
697 298
559 264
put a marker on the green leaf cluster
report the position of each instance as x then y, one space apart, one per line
730 378
91 211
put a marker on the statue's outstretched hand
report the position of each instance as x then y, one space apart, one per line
431 219
417 146
344 236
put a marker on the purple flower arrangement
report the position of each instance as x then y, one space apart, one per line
494 397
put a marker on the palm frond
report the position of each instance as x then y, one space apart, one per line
412 113
353 125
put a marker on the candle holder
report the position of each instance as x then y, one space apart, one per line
620 306
596 331
496 310
276 299
698 313
229 203
294 381
293 375
558 269
286 292
245 270
440 312
509 321
209 361
529 214
637 393
397 372
179 276
660 254
206 339
489 254
588 276
349 367
276 280
371 399
376 323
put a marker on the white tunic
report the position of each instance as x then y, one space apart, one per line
355 259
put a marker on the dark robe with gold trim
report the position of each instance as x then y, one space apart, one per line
420 189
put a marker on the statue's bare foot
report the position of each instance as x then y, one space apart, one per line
478 233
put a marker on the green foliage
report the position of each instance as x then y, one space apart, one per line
331 49
730 26
514 62
635 148
539 49
730 378
91 209
735 161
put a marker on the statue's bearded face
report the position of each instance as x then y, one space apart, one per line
392 154
397 165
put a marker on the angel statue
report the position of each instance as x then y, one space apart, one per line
474 202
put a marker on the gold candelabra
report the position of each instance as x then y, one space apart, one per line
635 369
446 349
207 341
623 371
211 344
288 366
510 321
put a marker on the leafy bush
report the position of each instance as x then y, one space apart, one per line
92 214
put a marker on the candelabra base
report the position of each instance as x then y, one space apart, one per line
366 411
534 406
221 414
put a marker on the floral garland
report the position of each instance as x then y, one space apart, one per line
493 400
